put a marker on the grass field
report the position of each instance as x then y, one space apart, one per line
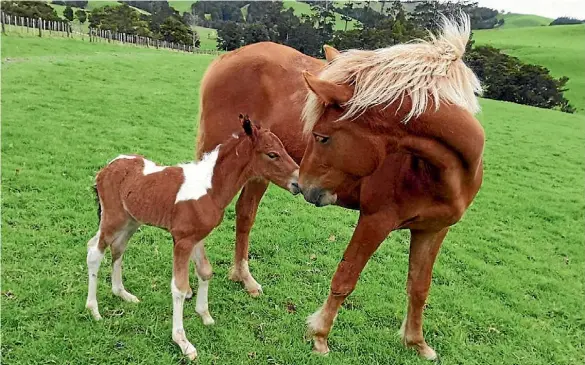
559 48
208 37
508 285
182 6
512 20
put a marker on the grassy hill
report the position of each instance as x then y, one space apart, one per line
559 48
512 20
182 6
508 284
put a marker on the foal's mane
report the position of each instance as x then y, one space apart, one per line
423 70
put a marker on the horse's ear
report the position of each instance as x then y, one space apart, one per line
330 53
328 92
249 129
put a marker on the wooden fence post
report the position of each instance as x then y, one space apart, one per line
40 24
3 27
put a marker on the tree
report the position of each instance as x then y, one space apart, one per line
566 20
121 19
348 7
229 36
68 13
255 32
81 16
30 9
173 30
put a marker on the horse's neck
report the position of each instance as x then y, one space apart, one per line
231 171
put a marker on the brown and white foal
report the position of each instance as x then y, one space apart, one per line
187 200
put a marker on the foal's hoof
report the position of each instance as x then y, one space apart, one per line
255 292
189 294
320 347
206 318
93 309
192 355
428 353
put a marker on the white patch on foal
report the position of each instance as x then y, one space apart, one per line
94 259
197 177
150 167
179 335
123 157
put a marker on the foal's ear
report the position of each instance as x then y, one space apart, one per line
249 128
328 92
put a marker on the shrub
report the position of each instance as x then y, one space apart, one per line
507 78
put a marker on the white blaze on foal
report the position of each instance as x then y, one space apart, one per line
187 200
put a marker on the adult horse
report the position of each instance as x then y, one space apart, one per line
390 132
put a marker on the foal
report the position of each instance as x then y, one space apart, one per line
187 200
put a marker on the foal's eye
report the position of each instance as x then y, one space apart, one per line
272 155
321 139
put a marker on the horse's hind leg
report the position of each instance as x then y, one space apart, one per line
424 248
118 247
95 253
246 209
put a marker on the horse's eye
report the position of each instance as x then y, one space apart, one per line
321 139
272 155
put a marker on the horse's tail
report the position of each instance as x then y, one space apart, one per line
99 206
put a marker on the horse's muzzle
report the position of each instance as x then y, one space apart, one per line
319 197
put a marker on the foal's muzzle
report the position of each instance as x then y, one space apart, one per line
293 185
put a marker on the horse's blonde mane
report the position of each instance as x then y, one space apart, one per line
422 70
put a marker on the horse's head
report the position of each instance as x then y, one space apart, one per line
270 160
338 152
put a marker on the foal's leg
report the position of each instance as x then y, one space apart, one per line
118 247
371 230
179 287
424 247
204 272
95 253
246 209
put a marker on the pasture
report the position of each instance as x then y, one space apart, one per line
513 20
507 287
559 48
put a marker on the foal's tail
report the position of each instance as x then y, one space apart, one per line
97 198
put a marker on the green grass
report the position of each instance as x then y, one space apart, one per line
208 37
94 4
559 48
508 285
182 6
512 20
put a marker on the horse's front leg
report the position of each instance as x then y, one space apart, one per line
371 230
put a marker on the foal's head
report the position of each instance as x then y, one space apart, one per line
270 160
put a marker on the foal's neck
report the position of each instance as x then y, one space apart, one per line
231 170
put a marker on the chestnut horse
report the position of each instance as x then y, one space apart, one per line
187 200
390 132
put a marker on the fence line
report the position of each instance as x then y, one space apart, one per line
64 29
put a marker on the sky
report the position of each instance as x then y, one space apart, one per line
547 8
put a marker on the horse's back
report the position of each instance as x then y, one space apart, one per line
263 80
